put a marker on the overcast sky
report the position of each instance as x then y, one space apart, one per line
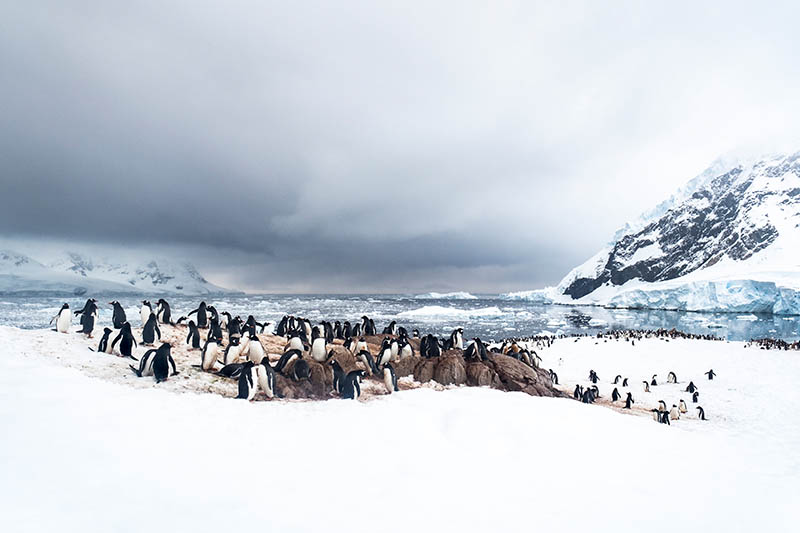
357 147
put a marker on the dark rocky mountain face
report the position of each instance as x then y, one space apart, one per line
726 217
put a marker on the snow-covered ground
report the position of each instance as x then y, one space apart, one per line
81 453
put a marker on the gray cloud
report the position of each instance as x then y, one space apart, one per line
348 145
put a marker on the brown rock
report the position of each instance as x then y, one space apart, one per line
406 366
480 375
517 376
425 369
450 370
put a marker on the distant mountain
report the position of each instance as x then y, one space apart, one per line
728 241
74 273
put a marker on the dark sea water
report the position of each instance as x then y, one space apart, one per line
488 316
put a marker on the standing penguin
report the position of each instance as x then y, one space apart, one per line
691 387
351 389
390 379
266 378
319 352
674 413
682 407
255 350
118 316
701 413
126 341
654 383
163 312
368 361
232 352
104 345
616 379
406 349
194 336
338 374
145 311
88 316
202 315
615 395
384 354
710 374
151 330
672 378
695 394
629 401
476 351
208 357
63 319
248 381
646 386
625 382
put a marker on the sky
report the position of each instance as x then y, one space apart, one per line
375 146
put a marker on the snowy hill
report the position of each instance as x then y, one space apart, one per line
78 274
728 241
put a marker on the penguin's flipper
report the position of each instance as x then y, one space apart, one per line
135 370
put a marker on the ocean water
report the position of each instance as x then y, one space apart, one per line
486 316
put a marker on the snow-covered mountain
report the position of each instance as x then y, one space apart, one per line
78 274
728 241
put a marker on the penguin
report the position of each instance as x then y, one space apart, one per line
672 378
163 312
476 350
625 382
250 324
682 407
126 341
232 370
248 382
593 376
156 362
391 329
406 350
368 325
295 343
234 350
208 357
456 340
578 392
415 333
367 360
646 386
63 319
286 358
695 394
710 375
202 315
615 395
105 346
234 326
214 328
616 379
701 413
351 389
266 378
301 370
255 351
389 378
553 377
89 316
338 374
656 414
663 417
653 382
145 311
347 330
662 406
319 352
691 387
629 401
384 354
280 330
394 346
118 317
429 347
194 336
151 330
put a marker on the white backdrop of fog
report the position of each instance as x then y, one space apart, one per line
361 146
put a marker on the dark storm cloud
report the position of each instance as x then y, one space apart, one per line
347 145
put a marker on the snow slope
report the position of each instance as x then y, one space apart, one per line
104 456
74 273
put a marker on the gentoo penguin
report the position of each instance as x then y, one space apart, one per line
347 330
654 383
367 360
384 354
118 315
368 325
232 370
616 379
63 319
163 312
255 351
593 376
145 311
625 382
202 315
646 386
394 346
210 353
406 350
656 414
553 377
104 345
691 387
214 328
156 362
695 394
663 417
280 330
476 351
415 333
391 329
286 358
88 316
151 330
351 389
629 401
662 406
194 336
236 347
456 340
126 341
389 378
319 352
682 407
429 346
578 392
301 370
338 374
615 395
295 343
266 378
701 413
248 381
672 378
710 375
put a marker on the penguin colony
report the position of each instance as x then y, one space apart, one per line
229 347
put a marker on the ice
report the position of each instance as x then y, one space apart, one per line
450 312
446 296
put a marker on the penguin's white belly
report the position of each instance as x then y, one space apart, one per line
210 357
295 344
254 377
148 365
145 314
318 350
387 380
255 352
263 381
64 321
674 414
459 342
233 354
394 348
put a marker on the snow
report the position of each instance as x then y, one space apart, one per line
105 456
432 311
446 296
645 252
